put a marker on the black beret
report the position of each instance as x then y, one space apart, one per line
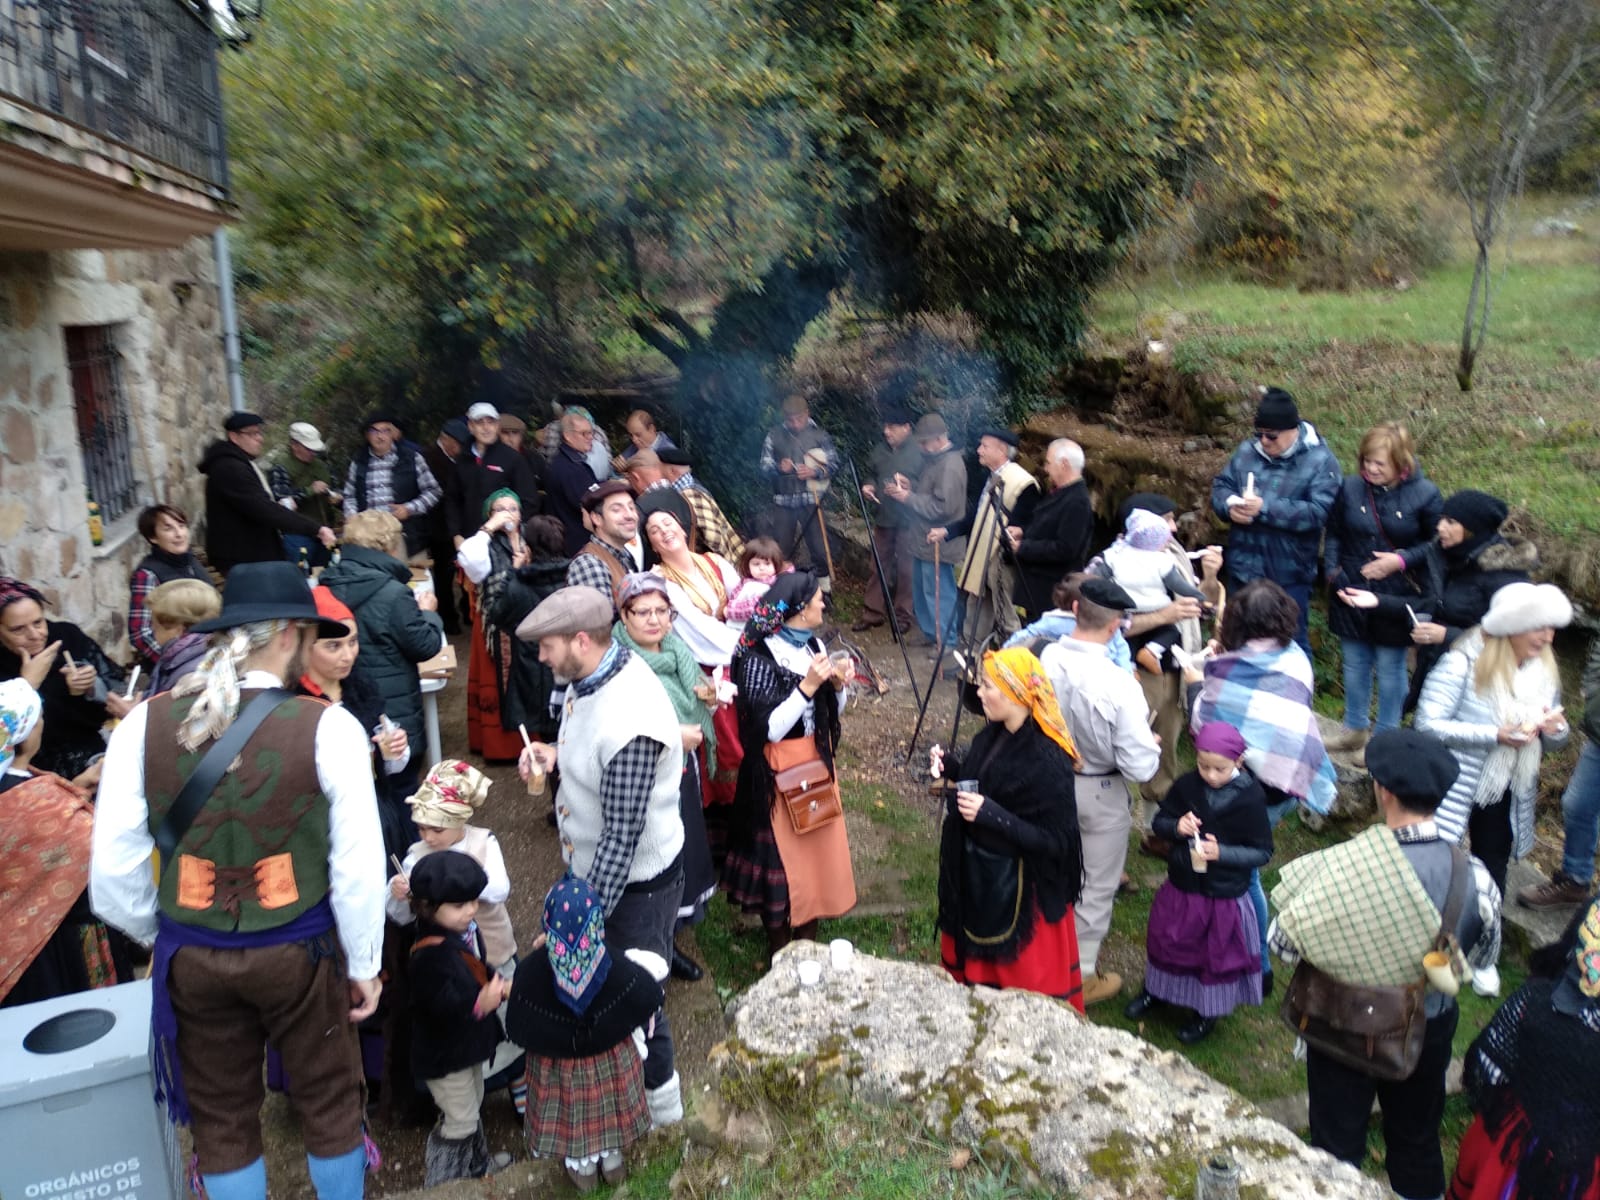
379 418
239 421
1148 501
1414 765
673 457
894 414
456 428
1105 593
1000 434
448 877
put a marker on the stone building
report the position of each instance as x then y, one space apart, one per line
113 180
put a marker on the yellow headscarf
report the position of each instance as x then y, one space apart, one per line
1021 679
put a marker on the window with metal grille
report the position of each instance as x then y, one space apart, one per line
105 433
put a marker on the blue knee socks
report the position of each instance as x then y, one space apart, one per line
247 1183
340 1178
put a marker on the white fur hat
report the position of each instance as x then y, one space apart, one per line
1521 607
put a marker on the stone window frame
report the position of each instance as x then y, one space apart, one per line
102 418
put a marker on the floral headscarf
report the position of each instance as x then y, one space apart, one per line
451 793
12 590
1579 988
639 583
497 494
1145 531
20 707
787 596
575 936
1021 679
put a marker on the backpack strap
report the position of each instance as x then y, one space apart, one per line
1460 877
212 766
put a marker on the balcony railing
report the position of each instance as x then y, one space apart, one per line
139 72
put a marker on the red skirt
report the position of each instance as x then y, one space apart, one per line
1047 964
722 780
1487 1167
583 1107
484 733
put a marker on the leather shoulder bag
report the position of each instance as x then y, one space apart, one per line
804 784
1375 1030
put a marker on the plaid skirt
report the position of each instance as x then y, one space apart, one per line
579 1108
754 879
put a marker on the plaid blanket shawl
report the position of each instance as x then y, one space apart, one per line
1256 693
1358 911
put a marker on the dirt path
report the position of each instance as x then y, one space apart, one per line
877 731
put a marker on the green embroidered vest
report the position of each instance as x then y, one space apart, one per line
256 856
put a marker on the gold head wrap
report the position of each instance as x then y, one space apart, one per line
452 791
1021 679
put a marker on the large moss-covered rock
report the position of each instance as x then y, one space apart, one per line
1095 1111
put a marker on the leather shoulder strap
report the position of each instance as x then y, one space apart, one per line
192 798
1460 877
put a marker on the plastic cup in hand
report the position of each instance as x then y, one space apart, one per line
844 664
967 785
538 781
1424 618
810 972
1197 856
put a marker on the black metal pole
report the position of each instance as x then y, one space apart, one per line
1002 516
883 579
938 662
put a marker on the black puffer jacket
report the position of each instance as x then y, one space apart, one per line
396 635
1458 585
509 594
1368 520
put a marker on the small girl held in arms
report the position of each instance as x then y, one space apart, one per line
761 563
454 1026
1203 944
579 1010
1143 567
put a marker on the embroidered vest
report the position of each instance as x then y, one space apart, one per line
256 856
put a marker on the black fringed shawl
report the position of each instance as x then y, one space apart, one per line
763 686
1030 810
1532 1072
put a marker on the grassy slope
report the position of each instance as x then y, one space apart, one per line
1529 431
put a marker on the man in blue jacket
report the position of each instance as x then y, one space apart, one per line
1277 491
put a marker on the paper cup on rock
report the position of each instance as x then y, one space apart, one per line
841 953
810 972
1441 975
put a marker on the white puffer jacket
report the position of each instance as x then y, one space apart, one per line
1452 709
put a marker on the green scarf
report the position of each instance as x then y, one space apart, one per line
675 666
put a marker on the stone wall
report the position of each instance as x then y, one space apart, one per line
169 334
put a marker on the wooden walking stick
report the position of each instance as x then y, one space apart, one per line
938 609
818 487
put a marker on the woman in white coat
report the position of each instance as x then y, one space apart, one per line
1495 700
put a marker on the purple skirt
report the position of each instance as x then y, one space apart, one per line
1204 953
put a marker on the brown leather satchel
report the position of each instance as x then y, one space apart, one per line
803 783
1375 1030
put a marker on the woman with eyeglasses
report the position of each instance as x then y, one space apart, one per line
646 629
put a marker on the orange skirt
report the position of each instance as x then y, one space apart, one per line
817 867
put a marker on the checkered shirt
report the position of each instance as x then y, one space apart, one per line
715 531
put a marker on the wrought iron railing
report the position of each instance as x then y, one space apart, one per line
140 72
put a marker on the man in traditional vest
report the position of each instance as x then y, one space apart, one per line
392 474
606 557
1365 912
267 920
620 752
799 457
988 574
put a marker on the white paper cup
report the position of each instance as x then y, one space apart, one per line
841 953
810 972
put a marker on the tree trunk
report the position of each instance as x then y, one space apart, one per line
1475 323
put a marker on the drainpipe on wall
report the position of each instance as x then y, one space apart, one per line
230 319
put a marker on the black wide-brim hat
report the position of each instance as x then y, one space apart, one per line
269 591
